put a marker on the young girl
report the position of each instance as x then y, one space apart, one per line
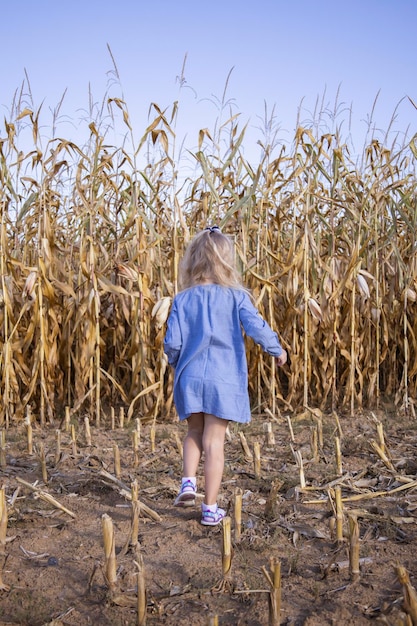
205 344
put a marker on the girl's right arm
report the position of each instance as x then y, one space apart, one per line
172 341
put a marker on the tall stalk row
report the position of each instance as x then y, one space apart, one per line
90 243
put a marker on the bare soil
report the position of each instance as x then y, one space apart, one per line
52 564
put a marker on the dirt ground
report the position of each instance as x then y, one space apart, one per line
52 563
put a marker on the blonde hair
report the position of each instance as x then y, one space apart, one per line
209 258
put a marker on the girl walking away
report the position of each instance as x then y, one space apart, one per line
204 342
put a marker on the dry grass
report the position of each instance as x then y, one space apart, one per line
90 243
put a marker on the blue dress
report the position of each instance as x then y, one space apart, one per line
204 342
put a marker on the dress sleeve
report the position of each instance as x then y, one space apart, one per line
257 328
173 341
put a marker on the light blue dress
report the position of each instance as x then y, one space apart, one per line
204 342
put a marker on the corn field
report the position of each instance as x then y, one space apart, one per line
91 237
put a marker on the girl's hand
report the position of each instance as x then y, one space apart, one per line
282 358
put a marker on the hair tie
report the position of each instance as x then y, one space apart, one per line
212 229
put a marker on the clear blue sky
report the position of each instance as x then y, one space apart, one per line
284 53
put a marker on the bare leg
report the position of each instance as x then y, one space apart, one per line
193 444
213 446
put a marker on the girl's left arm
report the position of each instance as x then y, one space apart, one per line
256 327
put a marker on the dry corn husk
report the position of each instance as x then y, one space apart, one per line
127 272
29 287
46 249
164 364
363 286
315 309
160 311
409 295
375 314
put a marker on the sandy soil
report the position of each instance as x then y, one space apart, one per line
52 563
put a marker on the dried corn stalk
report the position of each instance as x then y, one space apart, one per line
134 532
2 448
42 459
339 513
314 445
354 548
46 497
238 513
270 438
57 446
257 459
409 593
245 447
141 583
300 245
116 457
87 431
382 455
3 519
299 461
179 445
135 445
109 551
29 434
225 583
226 547
73 440
290 429
152 435
67 419
274 598
271 502
338 454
